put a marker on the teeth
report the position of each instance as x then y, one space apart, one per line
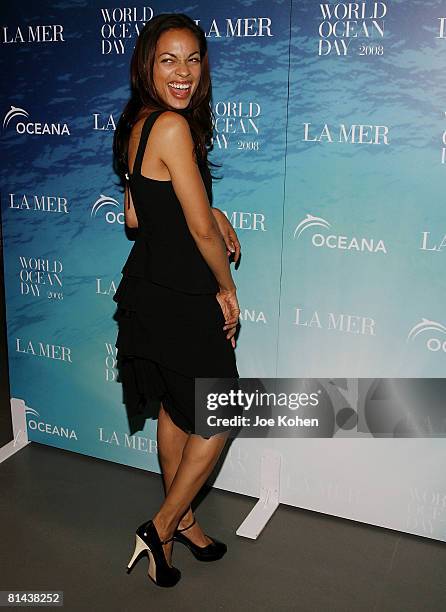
177 86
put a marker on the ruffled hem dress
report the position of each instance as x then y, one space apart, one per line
170 324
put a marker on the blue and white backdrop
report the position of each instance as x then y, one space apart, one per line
331 132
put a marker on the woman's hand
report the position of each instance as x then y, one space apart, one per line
231 311
228 233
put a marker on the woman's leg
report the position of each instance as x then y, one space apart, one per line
171 442
195 457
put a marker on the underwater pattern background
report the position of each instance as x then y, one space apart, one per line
330 135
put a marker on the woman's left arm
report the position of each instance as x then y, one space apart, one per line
228 233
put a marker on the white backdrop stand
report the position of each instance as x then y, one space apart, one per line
19 430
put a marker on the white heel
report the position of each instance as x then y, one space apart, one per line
140 548
148 542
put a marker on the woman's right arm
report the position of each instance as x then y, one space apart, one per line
175 146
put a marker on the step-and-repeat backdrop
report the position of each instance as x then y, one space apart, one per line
331 131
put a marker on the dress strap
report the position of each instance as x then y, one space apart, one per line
147 126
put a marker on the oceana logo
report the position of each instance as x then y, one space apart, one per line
111 216
35 128
435 342
53 430
335 241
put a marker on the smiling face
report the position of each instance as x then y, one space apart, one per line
177 67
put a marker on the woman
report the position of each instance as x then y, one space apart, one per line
178 309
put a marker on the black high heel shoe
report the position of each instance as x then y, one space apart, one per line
148 542
213 551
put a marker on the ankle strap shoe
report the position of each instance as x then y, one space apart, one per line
147 541
211 552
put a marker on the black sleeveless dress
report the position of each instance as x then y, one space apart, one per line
170 324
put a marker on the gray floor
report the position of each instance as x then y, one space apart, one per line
67 523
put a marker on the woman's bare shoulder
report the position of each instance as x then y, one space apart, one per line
166 122
170 128
171 118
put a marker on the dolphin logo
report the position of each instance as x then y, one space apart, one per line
13 112
29 410
103 201
425 325
310 221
